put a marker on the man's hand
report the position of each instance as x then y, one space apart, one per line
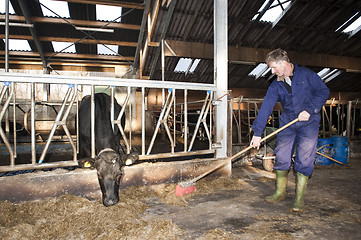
255 142
303 116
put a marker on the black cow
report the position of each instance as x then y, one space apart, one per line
108 162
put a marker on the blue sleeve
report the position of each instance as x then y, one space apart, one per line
266 109
320 94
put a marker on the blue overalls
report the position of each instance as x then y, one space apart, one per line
308 93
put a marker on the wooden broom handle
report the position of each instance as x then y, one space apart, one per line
265 138
223 163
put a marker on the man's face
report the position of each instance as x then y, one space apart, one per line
278 68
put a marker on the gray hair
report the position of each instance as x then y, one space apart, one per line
277 55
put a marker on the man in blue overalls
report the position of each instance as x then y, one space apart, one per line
302 94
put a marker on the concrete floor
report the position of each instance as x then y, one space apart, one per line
333 207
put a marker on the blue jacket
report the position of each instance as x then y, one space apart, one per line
309 93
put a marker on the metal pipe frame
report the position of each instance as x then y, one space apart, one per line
61 121
143 121
92 122
130 123
202 119
348 121
102 81
163 119
185 120
341 119
2 113
119 122
220 23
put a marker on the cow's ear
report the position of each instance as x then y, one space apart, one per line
86 163
131 158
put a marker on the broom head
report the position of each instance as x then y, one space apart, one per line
181 191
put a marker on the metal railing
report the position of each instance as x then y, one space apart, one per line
70 100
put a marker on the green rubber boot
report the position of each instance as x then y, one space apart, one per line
281 184
300 192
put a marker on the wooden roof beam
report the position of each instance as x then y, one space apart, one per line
72 40
73 21
67 55
108 2
257 55
152 19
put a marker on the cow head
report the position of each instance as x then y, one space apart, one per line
109 168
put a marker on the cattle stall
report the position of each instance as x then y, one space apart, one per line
176 144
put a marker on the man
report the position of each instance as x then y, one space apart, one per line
302 94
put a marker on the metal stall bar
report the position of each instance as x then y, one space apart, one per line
239 120
174 120
348 121
63 123
92 122
32 123
354 119
112 106
2 113
200 117
249 122
165 121
185 120
208 109
164 108
119 122
58 122
77 124
14 121
143 121
130 123
239 128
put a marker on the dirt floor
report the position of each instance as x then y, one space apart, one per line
220 208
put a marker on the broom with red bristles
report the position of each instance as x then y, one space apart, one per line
188 187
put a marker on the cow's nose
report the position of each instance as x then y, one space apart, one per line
110 202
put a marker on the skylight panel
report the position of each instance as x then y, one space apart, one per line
323 72
19 45
64 47
104 50
328 74
182 65
273 12
334 74
260 70
353 26
194 65
3 10
186 65
57 8
108 13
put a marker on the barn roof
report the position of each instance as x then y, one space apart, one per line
313 32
